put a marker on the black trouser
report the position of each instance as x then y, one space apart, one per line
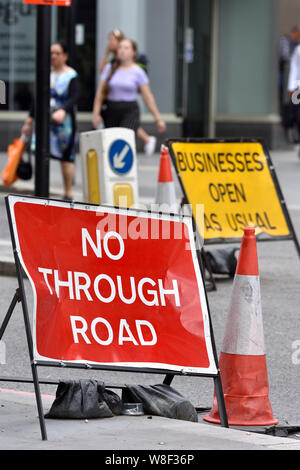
121 114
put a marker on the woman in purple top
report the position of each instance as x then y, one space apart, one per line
123 81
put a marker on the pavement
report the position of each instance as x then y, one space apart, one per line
19 423
19 430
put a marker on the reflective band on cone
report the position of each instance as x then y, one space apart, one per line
245 332
242 360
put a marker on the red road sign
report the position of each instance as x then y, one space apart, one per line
59 3
113 286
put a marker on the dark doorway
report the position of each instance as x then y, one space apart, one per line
193 37
83 54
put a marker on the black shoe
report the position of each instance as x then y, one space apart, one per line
67 199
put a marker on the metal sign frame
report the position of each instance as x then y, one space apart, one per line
291 236
20 296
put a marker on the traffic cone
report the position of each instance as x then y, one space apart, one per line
242 359
165 194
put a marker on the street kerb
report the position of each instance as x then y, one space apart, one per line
242 359
236 181
95 305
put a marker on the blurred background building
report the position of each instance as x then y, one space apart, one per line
213 64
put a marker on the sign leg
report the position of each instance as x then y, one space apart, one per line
221 401
14 301
39 401
208 267
30 350
168 379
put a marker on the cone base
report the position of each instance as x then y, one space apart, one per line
245 410
245 388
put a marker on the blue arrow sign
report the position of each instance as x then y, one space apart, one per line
120 157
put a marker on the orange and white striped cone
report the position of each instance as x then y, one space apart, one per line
165 193
242 359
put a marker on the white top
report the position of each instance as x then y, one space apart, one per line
294 75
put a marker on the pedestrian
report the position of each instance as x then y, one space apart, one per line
294 91
64 93
287 45
110 56
111 49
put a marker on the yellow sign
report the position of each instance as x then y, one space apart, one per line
234 182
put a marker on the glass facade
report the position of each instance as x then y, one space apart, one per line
210 61
247 57
17 52
92 22
17 48
151 23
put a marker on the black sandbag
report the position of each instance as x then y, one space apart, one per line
222 260
160 400
82 399
111 398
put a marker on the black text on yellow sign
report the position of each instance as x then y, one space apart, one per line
234 183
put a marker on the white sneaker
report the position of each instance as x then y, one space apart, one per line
297 149
149 148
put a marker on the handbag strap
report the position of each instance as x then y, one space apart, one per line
28 153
